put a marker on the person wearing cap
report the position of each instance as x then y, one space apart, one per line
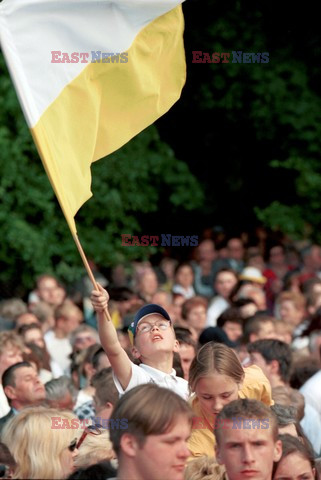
153 343
253 275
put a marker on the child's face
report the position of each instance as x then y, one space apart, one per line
216 391
156 340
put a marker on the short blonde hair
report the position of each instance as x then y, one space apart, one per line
94 449
204 468
215 358
35 445
66 308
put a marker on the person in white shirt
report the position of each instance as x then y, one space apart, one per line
184 278
224 282
311 391
67 318
154 344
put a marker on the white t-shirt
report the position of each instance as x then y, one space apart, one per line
59 350
218 306
187 293
142 374
311 391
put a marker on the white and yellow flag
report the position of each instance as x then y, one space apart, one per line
90 75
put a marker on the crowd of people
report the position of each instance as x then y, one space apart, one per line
206 369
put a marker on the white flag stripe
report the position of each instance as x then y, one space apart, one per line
105 26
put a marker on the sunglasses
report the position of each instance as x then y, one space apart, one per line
91 430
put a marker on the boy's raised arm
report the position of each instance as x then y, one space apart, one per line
117 356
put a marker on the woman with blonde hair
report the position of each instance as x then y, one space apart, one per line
43 442
217 378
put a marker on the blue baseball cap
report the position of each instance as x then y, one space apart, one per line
149 309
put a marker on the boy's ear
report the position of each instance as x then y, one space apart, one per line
129 445
135 352
176 346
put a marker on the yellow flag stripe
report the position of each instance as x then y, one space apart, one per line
107 105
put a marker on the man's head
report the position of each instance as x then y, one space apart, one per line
68 317
61 393
286 418
106 394
231 322
11 348
274 358
287 396
205 252
247 440
22 386
258 327
147 282
46 289
153 444
311 258
291 307
152 333
235 248
276 255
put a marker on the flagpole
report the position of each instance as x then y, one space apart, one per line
87 267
